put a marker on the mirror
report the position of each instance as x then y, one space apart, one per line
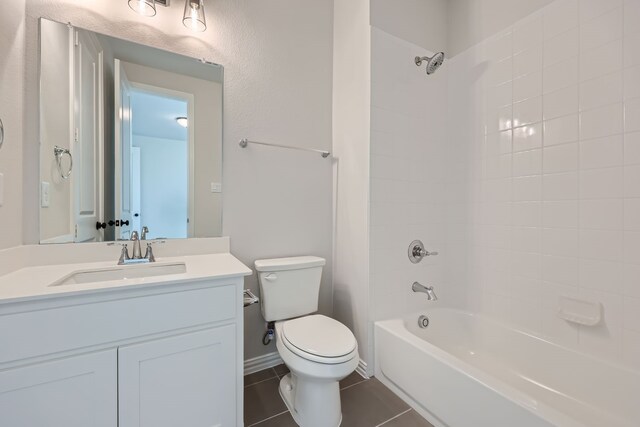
130 139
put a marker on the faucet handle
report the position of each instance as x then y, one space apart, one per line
124 255
149 252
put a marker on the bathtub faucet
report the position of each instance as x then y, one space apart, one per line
431 295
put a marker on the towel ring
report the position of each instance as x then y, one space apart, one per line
59 152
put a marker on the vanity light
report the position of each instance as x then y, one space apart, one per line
182 121
194 15
143 7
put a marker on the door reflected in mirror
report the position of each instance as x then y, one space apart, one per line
140 131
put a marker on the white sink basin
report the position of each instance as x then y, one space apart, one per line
121 272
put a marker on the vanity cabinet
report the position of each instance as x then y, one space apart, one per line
154 356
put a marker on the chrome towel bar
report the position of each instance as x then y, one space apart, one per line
323 153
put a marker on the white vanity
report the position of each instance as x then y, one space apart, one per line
82 344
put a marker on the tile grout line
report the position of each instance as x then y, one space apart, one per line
351 385
393 418
260 382
267 419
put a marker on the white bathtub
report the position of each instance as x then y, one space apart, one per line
466 370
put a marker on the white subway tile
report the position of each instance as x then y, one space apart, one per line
527 163
590 9
560 214
632 214
527 188
601 183
632 314
499 47
605 339
632 115
527 86
632 50
602 121
560 186
632 148
559 17
602 29
601 213
601 275
527 61
632 181
526 214
561 74
559 47
631 348
603 245
560 241
500 72
500 96
526 239
632 81
560 158
527 34
560 102
602 60
527 112
561 130
631 16
563 270
601 91
527 137
602 152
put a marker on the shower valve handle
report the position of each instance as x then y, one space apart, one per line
417 252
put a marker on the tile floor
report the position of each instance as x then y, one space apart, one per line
365 403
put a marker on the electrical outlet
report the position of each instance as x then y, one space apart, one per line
1 189
216 187
44 194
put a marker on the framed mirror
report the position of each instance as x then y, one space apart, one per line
130 139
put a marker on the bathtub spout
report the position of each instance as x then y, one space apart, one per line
431 295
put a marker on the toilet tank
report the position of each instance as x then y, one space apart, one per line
289 287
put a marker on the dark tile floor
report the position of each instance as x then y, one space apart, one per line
365 403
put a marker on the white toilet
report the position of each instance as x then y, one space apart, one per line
318 350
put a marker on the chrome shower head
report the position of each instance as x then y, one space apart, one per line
433 63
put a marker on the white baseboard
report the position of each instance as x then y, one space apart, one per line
262 362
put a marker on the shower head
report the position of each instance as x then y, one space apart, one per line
433 63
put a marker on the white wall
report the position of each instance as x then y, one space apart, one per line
164 197
471 21
12 52
278 72
420 22
351 119
553 159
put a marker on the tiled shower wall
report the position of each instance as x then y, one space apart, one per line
408 173
543 172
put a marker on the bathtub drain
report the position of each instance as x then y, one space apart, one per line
423 321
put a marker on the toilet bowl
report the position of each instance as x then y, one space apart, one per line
317 363
319 351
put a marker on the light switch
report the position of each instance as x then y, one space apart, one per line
44 194
216 187
1 189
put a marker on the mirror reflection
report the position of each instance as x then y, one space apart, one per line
130 140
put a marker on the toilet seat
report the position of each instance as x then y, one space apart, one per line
319 339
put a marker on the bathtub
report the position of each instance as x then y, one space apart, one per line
466 370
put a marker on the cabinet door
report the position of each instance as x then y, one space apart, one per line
187 380
76 391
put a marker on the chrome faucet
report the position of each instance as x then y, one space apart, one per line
431 295
145 231
137 252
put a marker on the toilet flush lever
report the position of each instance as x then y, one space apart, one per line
271 277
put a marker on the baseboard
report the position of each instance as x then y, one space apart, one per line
261 363
362 369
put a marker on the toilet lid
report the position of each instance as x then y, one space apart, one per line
319 335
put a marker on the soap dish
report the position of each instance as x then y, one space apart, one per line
579 311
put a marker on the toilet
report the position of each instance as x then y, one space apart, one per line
319 351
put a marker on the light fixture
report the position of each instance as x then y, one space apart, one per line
194 15
182 121
143 7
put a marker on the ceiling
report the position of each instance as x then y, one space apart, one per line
155 115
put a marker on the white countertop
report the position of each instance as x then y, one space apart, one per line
33 282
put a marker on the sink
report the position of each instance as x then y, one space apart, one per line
121 272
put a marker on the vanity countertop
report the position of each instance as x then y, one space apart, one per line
34 282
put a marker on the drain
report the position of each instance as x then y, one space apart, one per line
423 321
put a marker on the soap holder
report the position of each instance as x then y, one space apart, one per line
579 311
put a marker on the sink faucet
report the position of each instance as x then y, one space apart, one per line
137 252
145 231
431 295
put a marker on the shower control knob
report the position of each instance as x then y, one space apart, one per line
417 252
